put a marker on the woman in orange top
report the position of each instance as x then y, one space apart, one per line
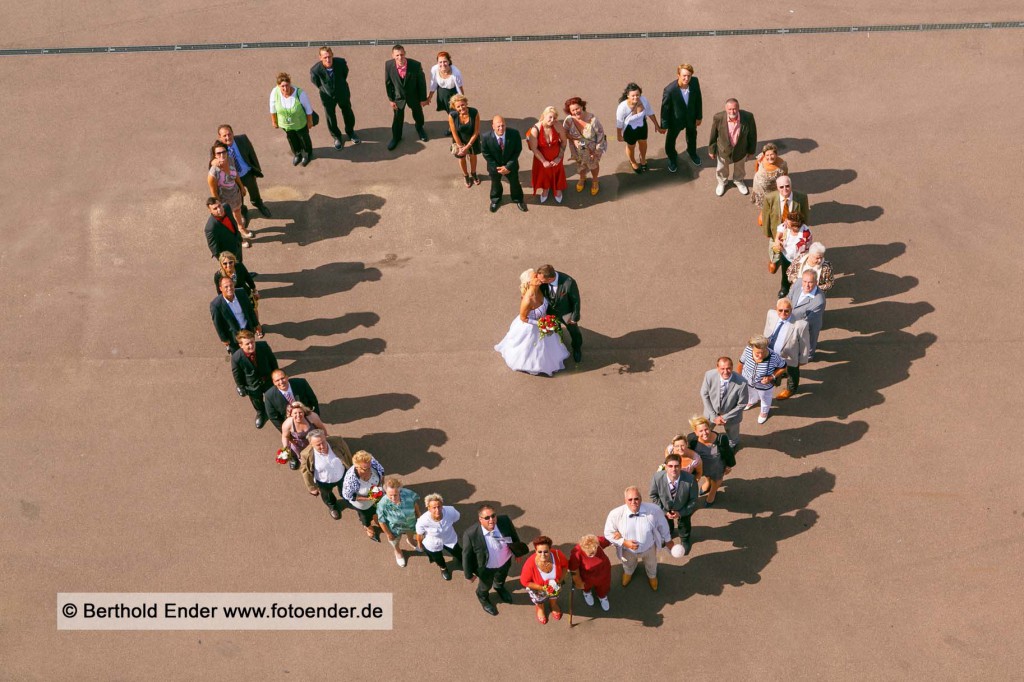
542 576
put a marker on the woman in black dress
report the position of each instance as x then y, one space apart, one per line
464 122
716 455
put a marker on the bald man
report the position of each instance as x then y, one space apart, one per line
501 150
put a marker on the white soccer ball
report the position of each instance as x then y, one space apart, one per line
677 551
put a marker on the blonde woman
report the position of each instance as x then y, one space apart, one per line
357 487
548 149
464 124
296 428
715 453
524 348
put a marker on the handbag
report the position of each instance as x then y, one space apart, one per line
774 256
455 151
316 118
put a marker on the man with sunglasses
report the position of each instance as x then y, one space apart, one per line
779 204
789 338
638 530
676 492
487 550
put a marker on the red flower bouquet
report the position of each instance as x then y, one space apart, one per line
283 456
376 492
548 324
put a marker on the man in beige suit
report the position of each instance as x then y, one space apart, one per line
777 206
791 340
733 141
323 464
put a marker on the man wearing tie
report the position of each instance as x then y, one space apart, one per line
487 549
779 204
283 393
243 158
676 492
501 150
682 109
330 76
406 86
809 304
638 530
790 339
724 394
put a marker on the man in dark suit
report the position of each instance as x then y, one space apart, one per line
222 233
733 140
779 204
681 109
487 549
501 150
251 365
676 492
563 296
330 76
406 86
809 304
284 392
232 312
243 158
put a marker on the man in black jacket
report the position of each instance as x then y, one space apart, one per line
252 365
487 550
284 392
243 158
682 109
222 233
501 150
563 296
406 86
330 76
232 312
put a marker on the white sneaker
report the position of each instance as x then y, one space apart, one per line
589 598
400 560
741 187
720 190
604 604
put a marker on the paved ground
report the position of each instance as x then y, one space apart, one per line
872 528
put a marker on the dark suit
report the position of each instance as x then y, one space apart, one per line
683 502
225 322
334 93
474 556
720 144
564 302
277 405
220 238
254 378
411 91
508 157
678 115
243 148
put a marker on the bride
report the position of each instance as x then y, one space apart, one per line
523 348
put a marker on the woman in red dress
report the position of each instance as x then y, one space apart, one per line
548 148
542 576
591 570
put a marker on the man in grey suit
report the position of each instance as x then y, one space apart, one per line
724 394
809 304
791 340
676 492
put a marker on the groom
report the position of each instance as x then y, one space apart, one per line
564 302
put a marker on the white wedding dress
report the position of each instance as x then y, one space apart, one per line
525 350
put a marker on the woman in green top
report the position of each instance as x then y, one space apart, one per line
291 111
397 512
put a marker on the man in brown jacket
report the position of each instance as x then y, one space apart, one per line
733 141
323 464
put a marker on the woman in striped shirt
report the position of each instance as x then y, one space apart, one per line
761 367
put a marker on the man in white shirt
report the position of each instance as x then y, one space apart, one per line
487 549
789 339
323 465
638 530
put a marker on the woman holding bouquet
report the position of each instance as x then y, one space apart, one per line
295 430
542 576
526 347
362 488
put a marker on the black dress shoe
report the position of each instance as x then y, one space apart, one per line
505 595
239 389
264 210
577 356
488 606
335 514
522 205
260 421
672 167
306 159
296 159
783 293
494 206
694 158
293 464
338 143
355 139
393 143
446 574
423 135
686 548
